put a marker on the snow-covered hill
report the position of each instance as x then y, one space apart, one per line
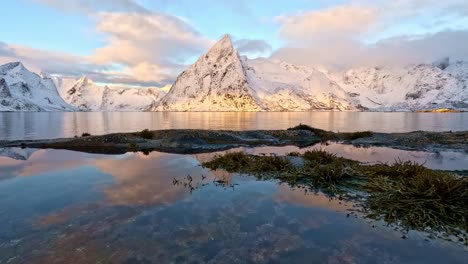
22 90
88 96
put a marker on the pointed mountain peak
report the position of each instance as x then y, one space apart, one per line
221 48
226 38
15 64
225 41
12 65
84 81
216 82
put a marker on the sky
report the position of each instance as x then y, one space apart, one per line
149 42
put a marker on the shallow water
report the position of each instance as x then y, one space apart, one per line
440 160
20 125
57 206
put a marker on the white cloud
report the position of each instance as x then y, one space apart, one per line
253 47
5 50
372 33
346 19
346 52
157 37
153 46
91 6
141 46
49 61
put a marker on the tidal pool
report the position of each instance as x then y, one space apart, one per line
60 206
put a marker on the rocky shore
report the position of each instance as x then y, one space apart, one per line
188 141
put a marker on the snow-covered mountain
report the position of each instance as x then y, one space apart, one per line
216 82
414 87
88 96
221 80
281 86
22 90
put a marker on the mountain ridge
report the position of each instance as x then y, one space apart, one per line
222 80
84 94
280 86
215 82
22 90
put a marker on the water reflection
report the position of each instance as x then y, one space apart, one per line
442 160
62 205
18 125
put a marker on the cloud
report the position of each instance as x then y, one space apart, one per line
146 46
366 33
91 6
252 46
58 63
145 43
348 19
345 52
5 50
48 61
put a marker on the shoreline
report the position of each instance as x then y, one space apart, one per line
191 141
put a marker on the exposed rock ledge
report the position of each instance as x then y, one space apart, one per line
198 141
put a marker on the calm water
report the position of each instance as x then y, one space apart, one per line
53 125
57 206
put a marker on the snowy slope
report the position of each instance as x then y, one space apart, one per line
222 81
414 87
281 86
22 90
88 96
216 82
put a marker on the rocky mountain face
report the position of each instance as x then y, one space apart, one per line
216 82
88 96
22 90
281 86
410 88
221 80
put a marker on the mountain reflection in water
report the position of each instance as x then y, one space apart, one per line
159 208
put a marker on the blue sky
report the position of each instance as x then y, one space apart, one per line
148 42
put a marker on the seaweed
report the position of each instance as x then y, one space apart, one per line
241 162
357 135
404 193
146 134
328 135
417 197
323 134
